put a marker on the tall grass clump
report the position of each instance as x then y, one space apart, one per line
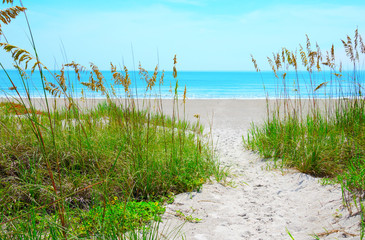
69 172
316 124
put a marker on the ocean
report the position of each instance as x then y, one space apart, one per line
200 85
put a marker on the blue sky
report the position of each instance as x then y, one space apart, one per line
208 35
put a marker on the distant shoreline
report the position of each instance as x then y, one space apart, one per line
220 113
199 85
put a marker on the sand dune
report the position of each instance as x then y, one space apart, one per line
257 201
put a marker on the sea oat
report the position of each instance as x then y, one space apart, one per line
277 60
184 97
272 66
162 77
362 45
319 57
294 61
151 81
52 88
349 48
174 72
303 56
255 63
333 53
19 55
77 68
61 79
21 71
10 13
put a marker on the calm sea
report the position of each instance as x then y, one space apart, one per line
203 85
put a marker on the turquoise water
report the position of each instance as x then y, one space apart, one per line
203 85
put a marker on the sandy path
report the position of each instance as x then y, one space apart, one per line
259 203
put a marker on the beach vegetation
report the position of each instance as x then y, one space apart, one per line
105 172
319 127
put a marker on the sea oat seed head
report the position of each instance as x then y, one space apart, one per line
254 63
184 98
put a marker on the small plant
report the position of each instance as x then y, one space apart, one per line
123 216
289 233
337 214
327 181
188 218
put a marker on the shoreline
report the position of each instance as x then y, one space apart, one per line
215 113
223 113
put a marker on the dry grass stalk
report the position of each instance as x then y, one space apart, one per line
152 81
184 97
119 79
77 68
19 55
10 13
162 77
327 233
255 63
303 56
174 72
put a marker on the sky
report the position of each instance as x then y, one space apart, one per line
206 35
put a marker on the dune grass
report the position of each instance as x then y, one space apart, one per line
113 168
69 172
321 136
